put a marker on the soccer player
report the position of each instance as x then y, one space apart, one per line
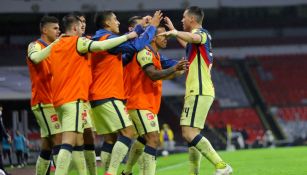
138 146
88 134
107 89
144 81
199 88
41 101
70 83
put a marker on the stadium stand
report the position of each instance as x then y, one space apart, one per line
293 121
280 79
240 119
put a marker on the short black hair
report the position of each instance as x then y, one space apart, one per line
132 21
68 20
159 26
197 12
47 19
100 18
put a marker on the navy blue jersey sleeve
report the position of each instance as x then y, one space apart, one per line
139 29
127 57
167 62
136 44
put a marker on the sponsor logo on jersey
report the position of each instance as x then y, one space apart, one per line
150 116
54 118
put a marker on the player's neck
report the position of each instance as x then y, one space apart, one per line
196 26
108 29
71 33
45 39
155 48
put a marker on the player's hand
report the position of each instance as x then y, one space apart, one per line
58 39
146 20
182 65
169 23
156 19
132 35
171 33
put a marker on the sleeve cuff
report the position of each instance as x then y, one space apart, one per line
147 65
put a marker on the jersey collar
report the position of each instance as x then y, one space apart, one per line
43 42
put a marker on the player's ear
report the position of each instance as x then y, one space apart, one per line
107 23
130 28
44 30
192 18
75 27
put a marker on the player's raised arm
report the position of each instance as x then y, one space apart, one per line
146 37
86 45
170 26
185 36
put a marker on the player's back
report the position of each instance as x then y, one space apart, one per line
69 70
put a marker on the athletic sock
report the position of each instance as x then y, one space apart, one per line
90 158
79 160
206 149
135 152
43 162
63 160
55 153
119 152
149 159
105 155
194 159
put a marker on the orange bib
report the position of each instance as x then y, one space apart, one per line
40 80
142 92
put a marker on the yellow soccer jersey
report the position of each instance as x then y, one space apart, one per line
198 80
144 57
34 47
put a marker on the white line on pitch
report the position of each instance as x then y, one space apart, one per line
171 166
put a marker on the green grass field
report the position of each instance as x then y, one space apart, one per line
278 161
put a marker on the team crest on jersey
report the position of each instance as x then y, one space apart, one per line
150 116
54 118
153 123
57 126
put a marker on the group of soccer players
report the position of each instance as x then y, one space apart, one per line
112 85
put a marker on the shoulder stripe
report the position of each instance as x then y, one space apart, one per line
199 71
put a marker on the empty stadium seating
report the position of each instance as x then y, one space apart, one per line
228 89
239 119
282 79
293 121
